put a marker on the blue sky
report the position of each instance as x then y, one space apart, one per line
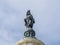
45 12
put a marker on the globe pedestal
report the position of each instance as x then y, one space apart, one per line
30 41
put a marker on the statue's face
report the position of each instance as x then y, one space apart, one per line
28 12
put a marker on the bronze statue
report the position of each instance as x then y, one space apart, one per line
29 20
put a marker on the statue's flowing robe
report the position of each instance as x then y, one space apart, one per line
29 21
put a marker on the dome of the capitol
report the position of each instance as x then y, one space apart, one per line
30 41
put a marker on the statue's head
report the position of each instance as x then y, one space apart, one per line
28 13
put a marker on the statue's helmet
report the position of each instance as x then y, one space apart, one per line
28 13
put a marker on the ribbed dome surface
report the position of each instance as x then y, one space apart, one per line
30 41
